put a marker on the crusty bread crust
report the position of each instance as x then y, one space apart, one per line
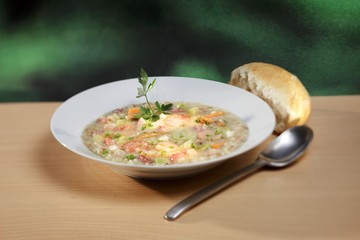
282 90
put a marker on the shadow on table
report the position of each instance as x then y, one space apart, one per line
88 177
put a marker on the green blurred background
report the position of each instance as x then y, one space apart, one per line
50 50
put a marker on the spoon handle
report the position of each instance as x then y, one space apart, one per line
211 189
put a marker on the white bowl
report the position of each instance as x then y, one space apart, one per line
71 117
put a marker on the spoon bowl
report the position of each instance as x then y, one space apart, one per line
288 147
283 151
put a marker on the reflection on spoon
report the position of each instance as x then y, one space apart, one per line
284 150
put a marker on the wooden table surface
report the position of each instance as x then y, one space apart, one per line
48 192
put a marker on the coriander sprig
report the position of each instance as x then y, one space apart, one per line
149 113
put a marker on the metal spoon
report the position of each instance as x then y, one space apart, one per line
284 150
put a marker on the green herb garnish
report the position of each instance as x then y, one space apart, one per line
150 113
104 152
142 92
163 108
130 157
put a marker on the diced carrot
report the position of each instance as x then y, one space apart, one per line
204 120
214 114
132 112
148 135
220 123
217 145
207 119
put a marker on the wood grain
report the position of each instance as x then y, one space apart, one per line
47 192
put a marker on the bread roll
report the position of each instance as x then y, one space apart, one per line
282 90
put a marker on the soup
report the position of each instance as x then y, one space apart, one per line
187 133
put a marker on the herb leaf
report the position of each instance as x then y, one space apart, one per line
141 93
145 113
158 106
143 78
151 85
130 157
166 107
163 108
